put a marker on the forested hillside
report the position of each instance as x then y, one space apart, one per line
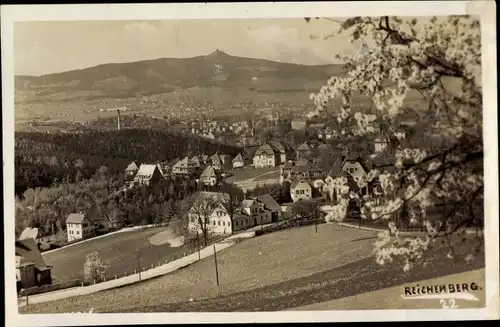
42 159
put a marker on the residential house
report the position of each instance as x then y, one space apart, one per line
80 226
226 160
31 269
244 158
300 189
215 215
256 211
266 156
130 173
204 158
351 167
131 169
148 175
249 214
285 151
305 170
216 161
240 161
272 154
306 150
354 165
380 143
210 176
185 167
269 206
196 161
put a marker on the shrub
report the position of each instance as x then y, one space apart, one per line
94 268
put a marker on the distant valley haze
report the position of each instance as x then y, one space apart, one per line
104 63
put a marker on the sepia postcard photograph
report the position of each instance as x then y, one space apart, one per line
250 162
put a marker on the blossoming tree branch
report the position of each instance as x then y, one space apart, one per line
440 58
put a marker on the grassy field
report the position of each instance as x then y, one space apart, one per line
275 271
251 173
391 297
268 176
120 250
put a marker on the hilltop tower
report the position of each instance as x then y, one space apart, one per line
118 119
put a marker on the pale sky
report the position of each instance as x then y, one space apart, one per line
49 47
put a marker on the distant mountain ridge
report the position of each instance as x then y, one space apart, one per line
165 75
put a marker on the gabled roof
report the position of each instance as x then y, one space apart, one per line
304 167
304 147
29 253
215 195
249 151
146 170
265 148
75 218
184 162
239 157
132 167
216 157
247 203
336 168
268 202
299 182
209 171
277 146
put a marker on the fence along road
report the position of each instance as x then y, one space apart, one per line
130 279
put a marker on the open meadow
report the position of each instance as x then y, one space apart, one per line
251 173
122 251
276 271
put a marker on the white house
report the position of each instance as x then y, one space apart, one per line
209 208
209 176
148 175
266 156
380 143
185 167
353 167
79 226
300 189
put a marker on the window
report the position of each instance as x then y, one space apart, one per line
218 223
246 221
236 223
223 223
302 191
213 222
297 192
77 232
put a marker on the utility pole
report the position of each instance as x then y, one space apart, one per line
198 244
315 221
139 263
216 269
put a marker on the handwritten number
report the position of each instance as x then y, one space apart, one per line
450 304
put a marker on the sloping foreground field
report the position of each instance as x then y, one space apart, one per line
276 271
121 250
392 297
